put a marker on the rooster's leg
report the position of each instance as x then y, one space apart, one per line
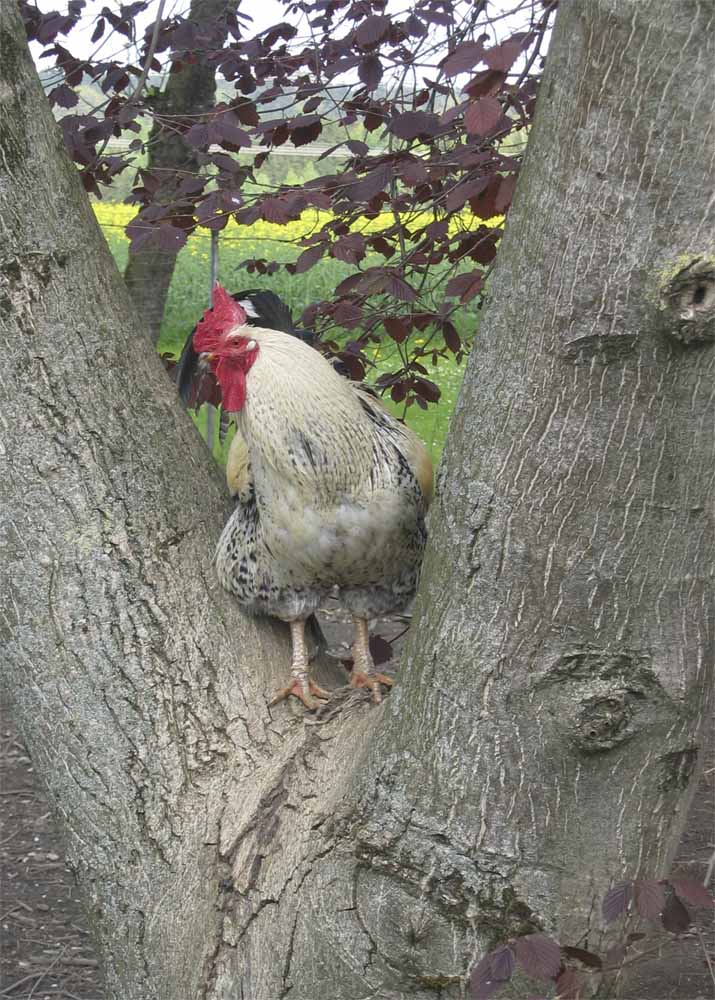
363 672
301 686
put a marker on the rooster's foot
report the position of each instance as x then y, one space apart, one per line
363 673
360 679
305 690
301 686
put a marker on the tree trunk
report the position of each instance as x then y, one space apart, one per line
190 93
543 739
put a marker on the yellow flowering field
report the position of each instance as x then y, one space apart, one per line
119 215
190 291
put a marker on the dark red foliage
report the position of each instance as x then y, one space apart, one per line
465 286
380 649
490 974
690 891
420 130
463 58
616 900
483 116
399 329
538 955
649 896
675 917
585 957
570 985
414 125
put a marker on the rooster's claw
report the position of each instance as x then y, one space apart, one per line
302 689
359 679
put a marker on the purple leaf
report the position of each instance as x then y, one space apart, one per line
675 917
413 172
372 30
465 56
503 963
231 134
370 71
451 337
426 390
169 238
349 249
64 96
692 892
370 184
357 148
198 135
380 244
616 901
461 194
483 983
466 286
355 367
538 955
305 134
380 649
482 116
649 897
485 84
308 259
347 314
588 958
312 104
276 210
98 30
569 985
399 289
412 124
502 57
348 284
399 329
503 199
414 27
192 185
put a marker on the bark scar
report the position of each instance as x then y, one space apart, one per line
687 302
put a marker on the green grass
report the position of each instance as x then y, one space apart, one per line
189 295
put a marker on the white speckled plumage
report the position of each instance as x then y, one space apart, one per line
327 487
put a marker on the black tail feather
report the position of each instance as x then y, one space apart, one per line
263 308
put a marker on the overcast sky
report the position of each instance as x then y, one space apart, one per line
264 14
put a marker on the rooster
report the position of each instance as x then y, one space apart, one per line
264 308
197 385
332 490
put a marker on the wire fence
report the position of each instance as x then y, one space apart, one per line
216 254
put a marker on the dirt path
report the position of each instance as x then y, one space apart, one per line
46 952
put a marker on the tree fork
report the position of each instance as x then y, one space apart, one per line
543 738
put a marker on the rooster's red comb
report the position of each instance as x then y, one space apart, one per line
224 315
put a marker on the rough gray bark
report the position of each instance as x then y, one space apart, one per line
170 158
140 688
543 739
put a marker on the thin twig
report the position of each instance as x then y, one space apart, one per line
149 57
709 871
49 969
705 953
14 834
13 986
